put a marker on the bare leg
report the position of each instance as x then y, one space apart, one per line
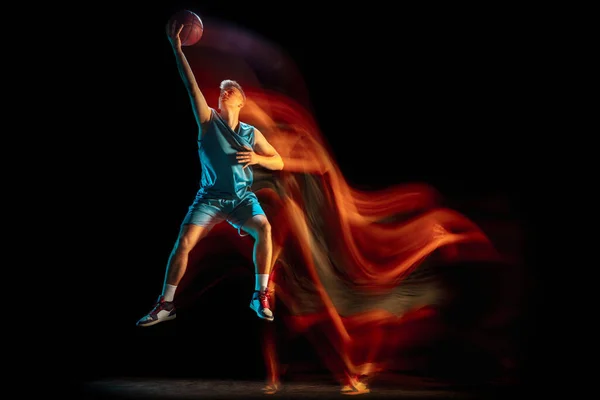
164 309
260 229
189 236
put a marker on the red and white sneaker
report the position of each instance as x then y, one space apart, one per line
260 304
162 311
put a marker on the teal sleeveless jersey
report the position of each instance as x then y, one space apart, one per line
222 175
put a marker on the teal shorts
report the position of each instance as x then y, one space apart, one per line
207 212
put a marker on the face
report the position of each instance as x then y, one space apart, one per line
231 96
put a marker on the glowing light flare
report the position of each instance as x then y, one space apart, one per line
343 258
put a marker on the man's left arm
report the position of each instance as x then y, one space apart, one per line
263 154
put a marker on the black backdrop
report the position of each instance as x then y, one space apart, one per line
460 88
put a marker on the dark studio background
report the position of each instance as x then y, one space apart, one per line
458 87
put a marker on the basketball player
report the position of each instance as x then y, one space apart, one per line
227 148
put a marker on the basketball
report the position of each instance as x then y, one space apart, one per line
192 27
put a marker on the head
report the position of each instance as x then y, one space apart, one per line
232 95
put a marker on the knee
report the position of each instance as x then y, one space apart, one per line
264 228
184 244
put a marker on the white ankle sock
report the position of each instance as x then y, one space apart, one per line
168 292
261 281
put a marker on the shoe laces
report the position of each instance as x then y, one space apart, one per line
264 299
158 306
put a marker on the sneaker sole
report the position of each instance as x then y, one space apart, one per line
260 316
157 321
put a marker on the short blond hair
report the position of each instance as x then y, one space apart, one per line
227 83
